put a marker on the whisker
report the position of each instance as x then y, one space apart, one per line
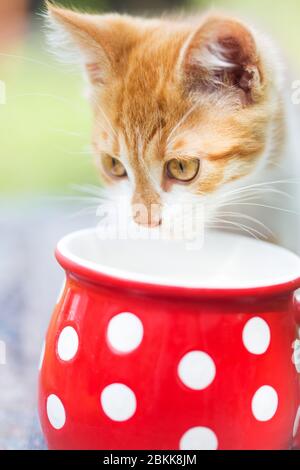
258 185
47 95
276 164
248 217
28 59
263 205
90 189
230 228
181 121
86 187
258 191
250 230
82 199
70 152
99 107
85 211
66 132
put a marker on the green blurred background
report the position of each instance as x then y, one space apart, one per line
45 121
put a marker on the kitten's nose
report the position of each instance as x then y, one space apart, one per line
147 217
148 222
146 206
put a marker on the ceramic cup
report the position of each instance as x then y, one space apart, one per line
153 346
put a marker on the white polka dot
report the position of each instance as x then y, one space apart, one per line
118 402
256 335
67 344
199 438
196 370
61 291
296 422
264 403
42 355
56 412
296 354
125 332
297 295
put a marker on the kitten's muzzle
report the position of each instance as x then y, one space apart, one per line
147 216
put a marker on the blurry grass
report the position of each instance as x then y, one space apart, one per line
45 124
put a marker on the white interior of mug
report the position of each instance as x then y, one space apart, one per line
224 260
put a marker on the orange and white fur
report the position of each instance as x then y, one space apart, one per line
189 111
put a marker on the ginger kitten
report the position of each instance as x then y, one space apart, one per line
187 111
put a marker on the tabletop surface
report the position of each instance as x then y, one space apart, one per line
30 280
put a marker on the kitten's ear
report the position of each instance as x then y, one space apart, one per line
86 39
222 53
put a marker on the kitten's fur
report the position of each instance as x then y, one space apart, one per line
208 88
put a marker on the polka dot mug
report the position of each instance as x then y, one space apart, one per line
155 346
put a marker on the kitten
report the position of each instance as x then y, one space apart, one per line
188 111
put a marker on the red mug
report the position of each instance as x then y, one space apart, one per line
153 346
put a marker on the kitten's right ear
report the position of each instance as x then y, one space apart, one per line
85 39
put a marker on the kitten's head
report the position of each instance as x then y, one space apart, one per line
182 109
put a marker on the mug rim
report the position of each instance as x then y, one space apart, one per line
96 273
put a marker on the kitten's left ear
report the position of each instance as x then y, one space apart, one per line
222 53
98 42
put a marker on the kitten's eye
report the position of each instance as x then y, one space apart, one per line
183 170
113 166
